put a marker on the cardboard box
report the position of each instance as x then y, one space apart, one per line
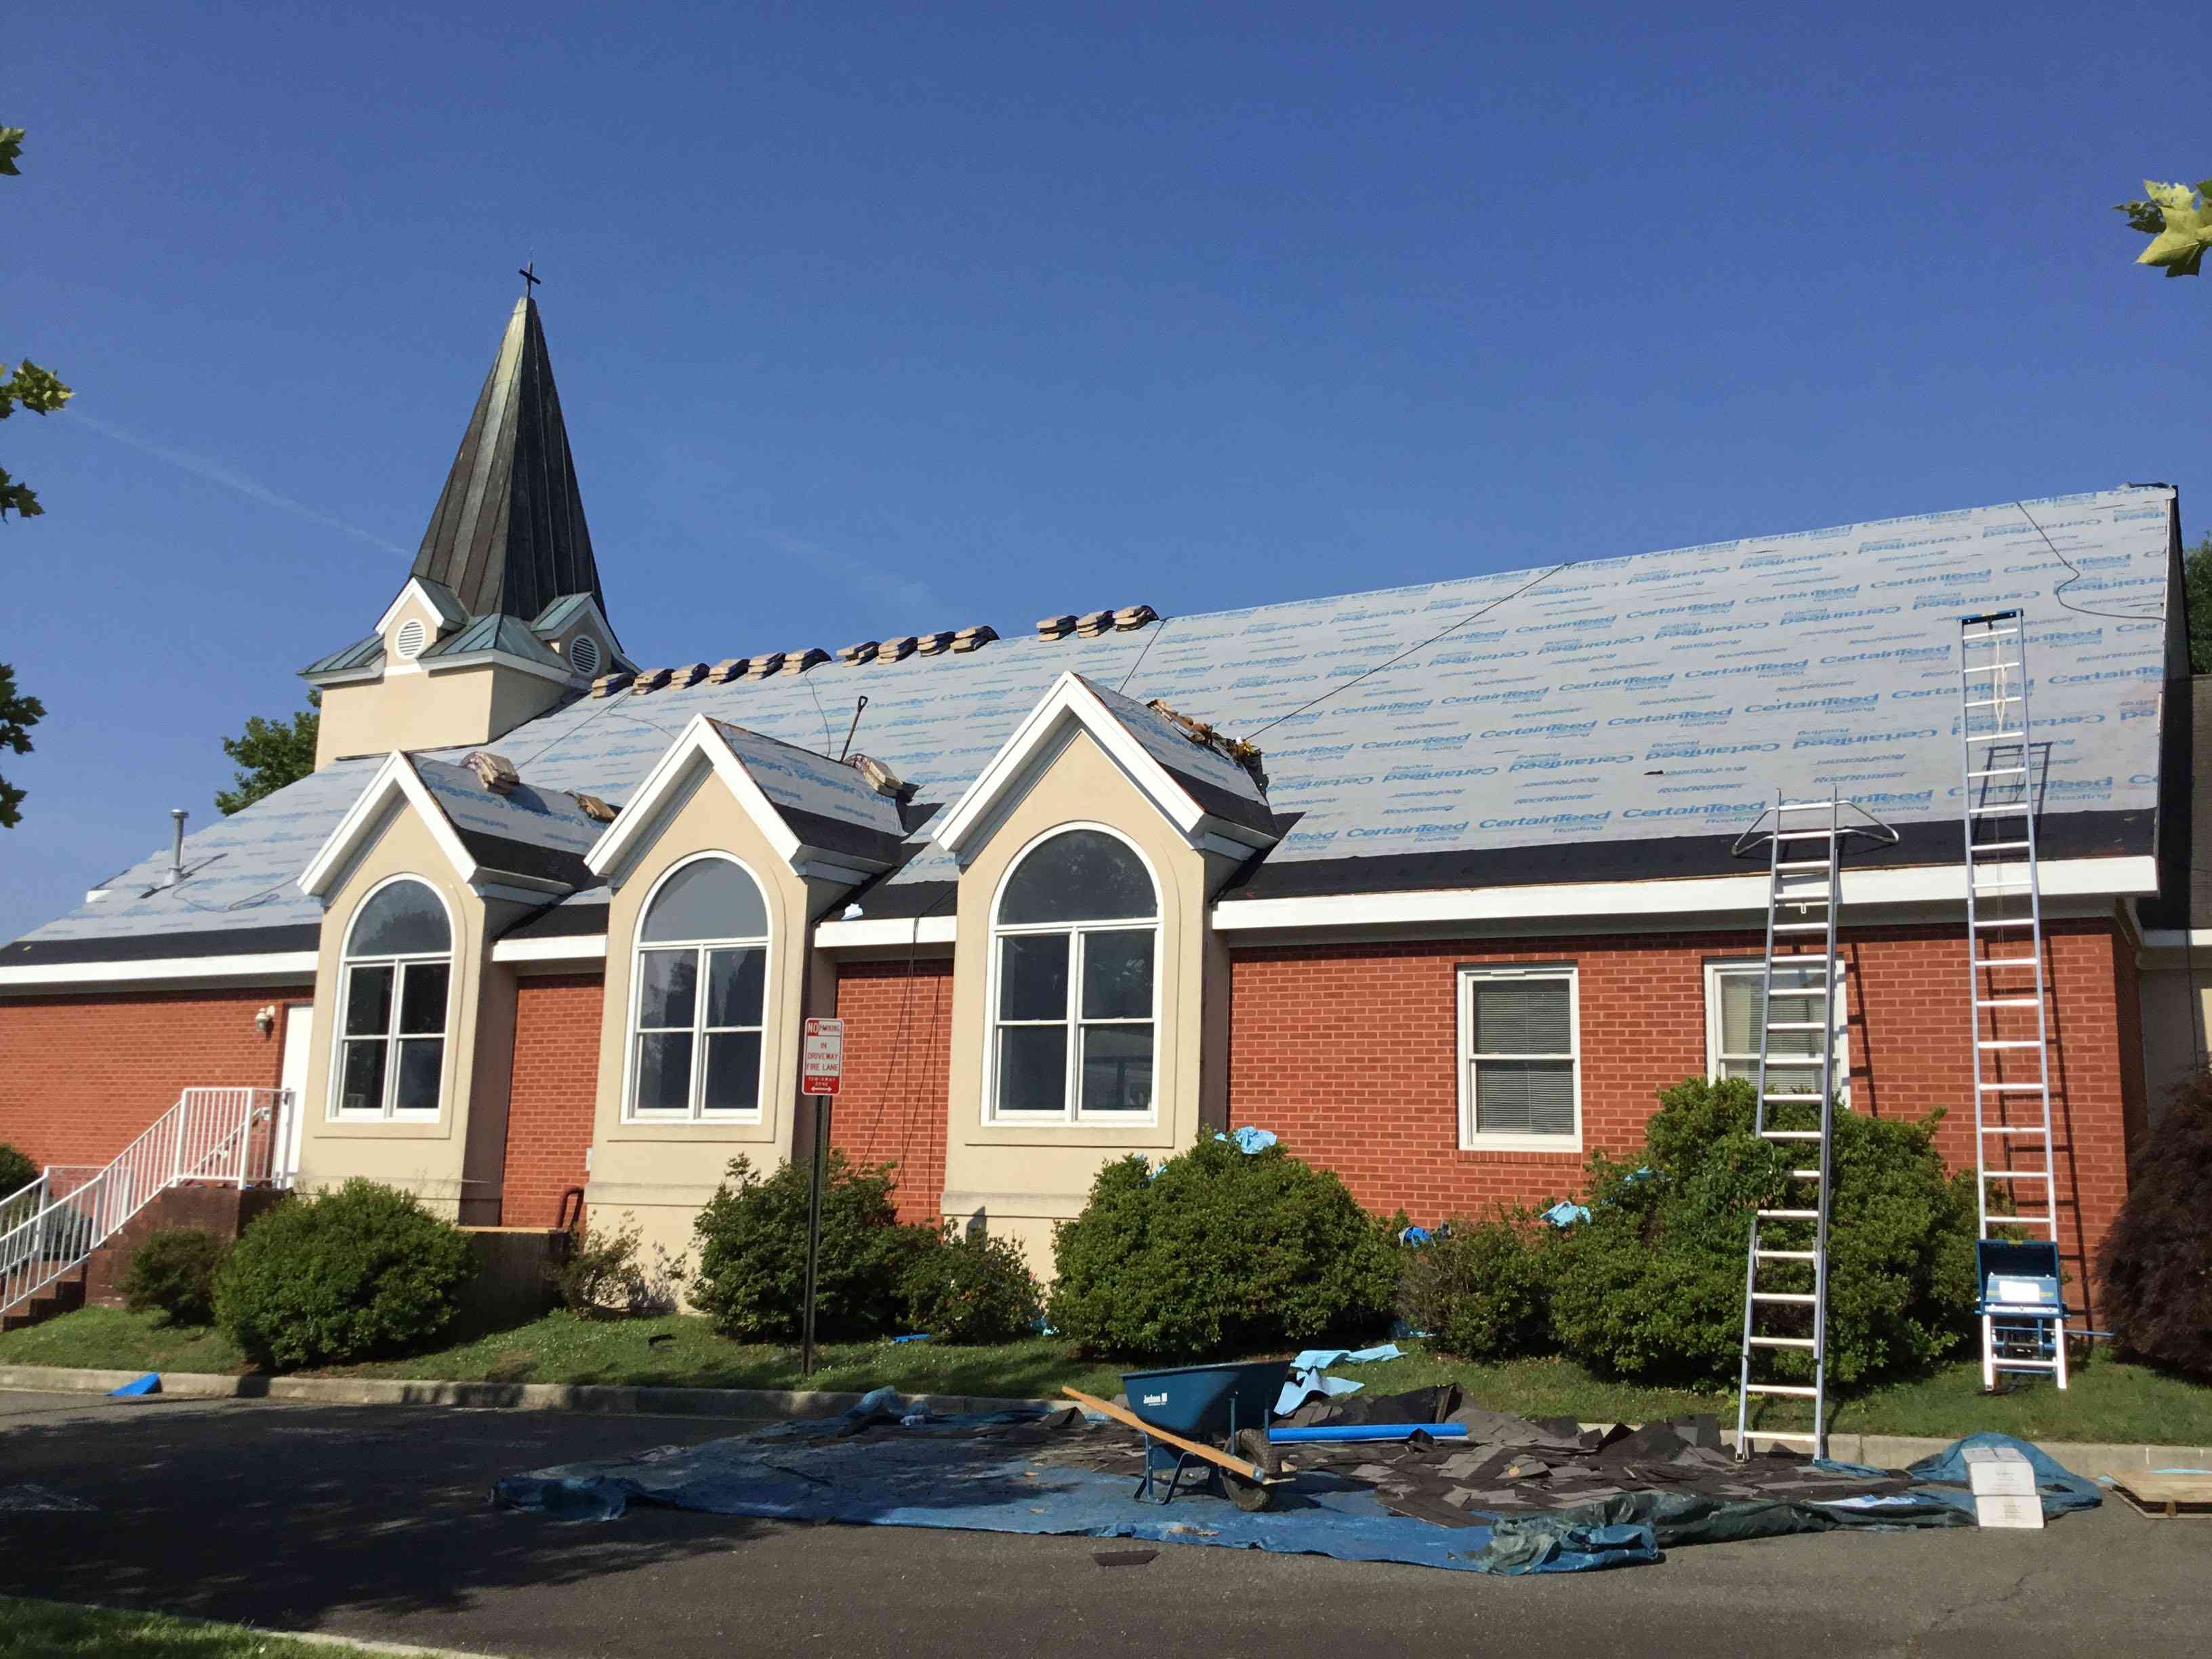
1999 1471
2008 1509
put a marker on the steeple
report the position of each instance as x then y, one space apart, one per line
509 534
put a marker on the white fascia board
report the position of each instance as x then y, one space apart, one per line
499 658
395 777
255 965
1699 895
633 827
864 933
347 676
567 947
1068 703
415 590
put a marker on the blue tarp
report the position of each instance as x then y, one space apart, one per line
937 1472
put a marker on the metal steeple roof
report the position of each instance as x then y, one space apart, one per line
509 534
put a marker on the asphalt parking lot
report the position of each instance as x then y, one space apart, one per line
376 1522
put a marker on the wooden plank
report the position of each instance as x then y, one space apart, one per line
2167 1494
1211 1453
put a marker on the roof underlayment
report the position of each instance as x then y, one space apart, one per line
1592 719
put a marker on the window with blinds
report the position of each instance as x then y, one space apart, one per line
1732 1022
1520 1090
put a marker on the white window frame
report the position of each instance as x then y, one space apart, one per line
694 1112
1720 968
1070 1111
1472 1139
385 1111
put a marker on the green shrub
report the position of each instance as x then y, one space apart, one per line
1479 1290
752 1278
604 1275
1651 1286
2156 1261
969 1287
1220 1251
16 1171
362 1270
173 1272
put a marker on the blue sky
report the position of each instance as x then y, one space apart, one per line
873 321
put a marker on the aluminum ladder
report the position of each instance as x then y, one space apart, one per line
2010 1027
1800 980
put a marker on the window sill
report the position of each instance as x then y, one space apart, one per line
425 1126
756 1128
1559 1145
1147 1131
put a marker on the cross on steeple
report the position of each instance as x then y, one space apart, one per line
530 276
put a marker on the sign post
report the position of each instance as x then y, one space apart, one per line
821 1063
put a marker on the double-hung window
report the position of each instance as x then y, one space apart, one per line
396 981
1073 1020
1732 1022
700 993
1520 1060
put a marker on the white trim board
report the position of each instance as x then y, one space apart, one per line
1696 896
863 932
270 965
565 947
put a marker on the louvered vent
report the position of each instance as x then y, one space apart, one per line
584 654
411 639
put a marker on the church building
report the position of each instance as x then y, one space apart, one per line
1439 883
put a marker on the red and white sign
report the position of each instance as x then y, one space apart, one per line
822 1059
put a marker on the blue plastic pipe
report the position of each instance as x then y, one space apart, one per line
1368 1432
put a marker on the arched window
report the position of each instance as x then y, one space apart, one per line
396 979
702 980
1074 944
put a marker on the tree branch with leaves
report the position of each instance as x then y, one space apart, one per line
2179 222
271 754
39 391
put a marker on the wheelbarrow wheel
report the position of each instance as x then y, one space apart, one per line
1255 1448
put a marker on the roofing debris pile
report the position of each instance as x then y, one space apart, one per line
1500 1495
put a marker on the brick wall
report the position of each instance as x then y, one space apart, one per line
890 1107
82 1077
557 1076
1348 1052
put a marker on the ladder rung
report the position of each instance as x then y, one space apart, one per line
1782 1342
1979 846
1791 1095
2015 1175
1806 1174
2009 1043
2007 1002
1797 1025
1999 772
2005 962
1808 1437
1799 928
1995 737
1805 806
1803 835
1797 1389
1786 1255
1987 812
1799 1298
2004 700
2014 1128
2016 1088
1803 864
2021 1221
1790 1134
2007 921
1788 1215
1989 667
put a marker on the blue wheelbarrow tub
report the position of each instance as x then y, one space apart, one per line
1195 1401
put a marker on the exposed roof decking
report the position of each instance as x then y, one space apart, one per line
1621 710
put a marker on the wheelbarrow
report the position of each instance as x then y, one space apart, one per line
1180 1412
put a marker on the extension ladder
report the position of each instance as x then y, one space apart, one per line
1785 1306
2010 1027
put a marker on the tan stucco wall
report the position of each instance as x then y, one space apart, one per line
658 1174
452 1161
2176 1014
411 707
1022 1177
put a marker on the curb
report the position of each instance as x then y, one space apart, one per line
2087 1458
600 1398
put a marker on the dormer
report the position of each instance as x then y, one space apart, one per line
502 617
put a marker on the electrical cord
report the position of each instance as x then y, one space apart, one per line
2058 593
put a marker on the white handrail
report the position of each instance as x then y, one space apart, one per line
228 1136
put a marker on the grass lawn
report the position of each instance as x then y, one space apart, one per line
52 1630
2109 1401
